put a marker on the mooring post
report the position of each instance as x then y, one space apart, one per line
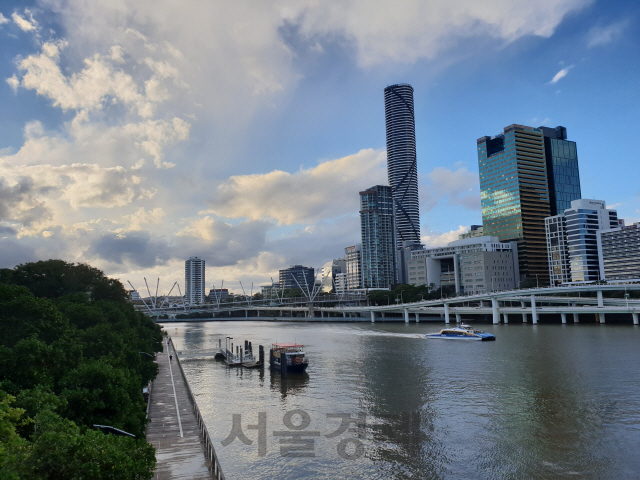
446 313
406 315
417 317
564 317
373 316
600 304
494 310
458 318
534 313
524 314
506 317
635 318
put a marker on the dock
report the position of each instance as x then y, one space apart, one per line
183 447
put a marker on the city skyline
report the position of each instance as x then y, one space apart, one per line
119 148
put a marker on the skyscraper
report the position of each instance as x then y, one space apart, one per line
402 168
562 169
194 280
515 194
378 238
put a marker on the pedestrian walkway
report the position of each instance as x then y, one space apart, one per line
173 429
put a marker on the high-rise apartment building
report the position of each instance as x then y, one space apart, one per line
515 194
353 257
572 241
194 280
619 251
378 237
402 167
562 169
297 276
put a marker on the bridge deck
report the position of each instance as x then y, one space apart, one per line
174 430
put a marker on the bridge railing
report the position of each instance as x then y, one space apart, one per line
209 451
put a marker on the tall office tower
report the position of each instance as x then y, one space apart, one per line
402 167
515 195
297 276
378 237
194 280
572 241
353 256
562 169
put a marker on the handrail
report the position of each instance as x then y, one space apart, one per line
209 451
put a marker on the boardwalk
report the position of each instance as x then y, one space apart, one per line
175 434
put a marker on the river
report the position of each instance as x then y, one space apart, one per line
381 401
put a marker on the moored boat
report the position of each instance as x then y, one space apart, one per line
462 332
291 353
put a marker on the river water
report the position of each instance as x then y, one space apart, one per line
381 401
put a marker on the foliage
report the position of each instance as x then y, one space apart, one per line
70 357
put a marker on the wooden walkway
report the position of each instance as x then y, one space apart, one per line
174 430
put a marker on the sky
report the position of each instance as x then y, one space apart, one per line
135 134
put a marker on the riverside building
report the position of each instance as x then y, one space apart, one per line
619 253
194 280
472 265
526 173
402 167
572 243
353 257
378 237
297 276
329 272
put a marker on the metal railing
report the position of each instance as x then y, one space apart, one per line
209 451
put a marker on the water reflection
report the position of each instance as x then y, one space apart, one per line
294 384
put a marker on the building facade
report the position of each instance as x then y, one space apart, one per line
329 272
472 265
353 257
572 242
402 167
619 253
562 169
297 276
378 237
194 280
515 194
218 295
474 231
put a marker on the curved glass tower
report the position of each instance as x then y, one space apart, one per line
402 167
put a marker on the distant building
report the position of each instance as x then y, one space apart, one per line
402 167
270 291
474 231
563 174
353 257
134 295
194 270
472 266
619 253
297 276
329 272
514 191
340 282
218 294
572 243
378 238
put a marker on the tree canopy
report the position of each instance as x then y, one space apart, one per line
70 358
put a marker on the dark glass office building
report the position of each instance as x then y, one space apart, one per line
515 194
378 237
402 168
297 276
562 169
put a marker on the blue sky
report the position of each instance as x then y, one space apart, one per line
136 134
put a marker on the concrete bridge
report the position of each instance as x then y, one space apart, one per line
526 303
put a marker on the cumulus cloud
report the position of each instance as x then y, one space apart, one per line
3 19
23 24
603 35
433 239
325 191
141 217
561 74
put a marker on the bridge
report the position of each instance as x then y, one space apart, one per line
525 304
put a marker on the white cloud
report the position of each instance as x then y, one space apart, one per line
439 239
325 191
603 35
14 83
25 25
3 19
143 217
561 74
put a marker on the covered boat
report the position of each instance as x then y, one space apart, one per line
291 353
462 332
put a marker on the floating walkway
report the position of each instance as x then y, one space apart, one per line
176 430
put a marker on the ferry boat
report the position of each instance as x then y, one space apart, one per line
462 332
292 353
